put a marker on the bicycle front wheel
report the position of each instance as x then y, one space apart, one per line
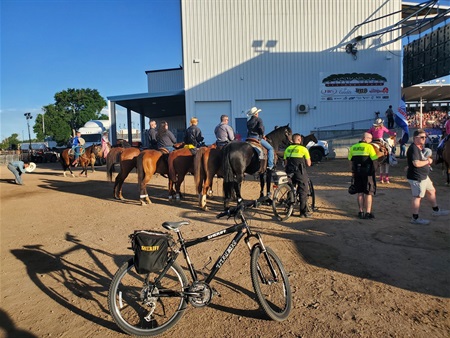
142 308
283 202
271 283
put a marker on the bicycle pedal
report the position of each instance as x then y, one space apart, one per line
216 293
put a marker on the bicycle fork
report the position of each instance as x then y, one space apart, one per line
265 279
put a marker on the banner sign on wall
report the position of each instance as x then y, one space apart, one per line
353 86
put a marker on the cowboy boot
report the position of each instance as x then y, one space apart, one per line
386 178
381 178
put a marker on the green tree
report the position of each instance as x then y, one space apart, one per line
71 110
80 105
9 142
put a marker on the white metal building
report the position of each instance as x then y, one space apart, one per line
309 63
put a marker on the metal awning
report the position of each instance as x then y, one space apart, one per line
427 92
153 105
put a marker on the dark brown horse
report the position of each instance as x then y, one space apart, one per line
180 162
239 158
127 158
149 162
207 163
88 157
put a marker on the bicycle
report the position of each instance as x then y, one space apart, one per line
149 304
286 196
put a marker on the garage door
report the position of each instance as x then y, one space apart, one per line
209 114
274 113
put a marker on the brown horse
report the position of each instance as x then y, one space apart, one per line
446 158
180 162
127 159
149 162
207 163
85 159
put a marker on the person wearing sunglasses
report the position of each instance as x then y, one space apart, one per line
420 182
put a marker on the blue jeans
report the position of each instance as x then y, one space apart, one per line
270 152
16 173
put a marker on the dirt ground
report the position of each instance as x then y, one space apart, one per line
63 238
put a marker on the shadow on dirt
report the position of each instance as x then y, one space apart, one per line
74 286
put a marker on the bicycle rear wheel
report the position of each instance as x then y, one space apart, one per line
271 283
132 298
282 203
311 201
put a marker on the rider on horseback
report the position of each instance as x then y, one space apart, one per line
255 129
193 137
166 139
77 147
224 132
378 130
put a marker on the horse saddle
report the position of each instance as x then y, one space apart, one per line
380 148
262 152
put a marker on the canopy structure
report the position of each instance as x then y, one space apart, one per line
427 92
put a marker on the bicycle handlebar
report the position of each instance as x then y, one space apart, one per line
241 206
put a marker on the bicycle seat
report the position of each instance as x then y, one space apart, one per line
174 225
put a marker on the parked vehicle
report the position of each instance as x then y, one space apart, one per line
92 131
318 150
40 152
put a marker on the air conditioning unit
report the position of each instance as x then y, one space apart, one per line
302 108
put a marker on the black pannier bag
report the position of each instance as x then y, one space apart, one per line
150 250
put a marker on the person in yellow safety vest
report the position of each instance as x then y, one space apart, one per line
362 155
297 158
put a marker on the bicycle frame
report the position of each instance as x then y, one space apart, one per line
242 230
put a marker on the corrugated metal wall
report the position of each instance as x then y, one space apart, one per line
251 50
165 80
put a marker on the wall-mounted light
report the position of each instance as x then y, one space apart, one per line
351 49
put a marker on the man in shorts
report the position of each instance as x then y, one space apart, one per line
362 155
417 175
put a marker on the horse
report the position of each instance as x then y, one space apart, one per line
207 164
88 157
241 157
384 151
308 138
446 158
180 162
148 163
127 159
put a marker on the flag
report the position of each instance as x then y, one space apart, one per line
401 120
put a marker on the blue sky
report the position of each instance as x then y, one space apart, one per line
51 45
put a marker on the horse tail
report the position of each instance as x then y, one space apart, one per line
112 158
199 170
170 163
228 173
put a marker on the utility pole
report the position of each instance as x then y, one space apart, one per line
28 117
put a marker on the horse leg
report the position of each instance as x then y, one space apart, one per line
386 173
261 184
117 192
171 190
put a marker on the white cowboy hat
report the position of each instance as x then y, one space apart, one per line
31 167
253 111
378 122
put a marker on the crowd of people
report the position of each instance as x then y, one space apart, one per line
432 119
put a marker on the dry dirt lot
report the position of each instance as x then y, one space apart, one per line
63 238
